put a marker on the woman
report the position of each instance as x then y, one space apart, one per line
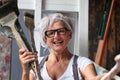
56 32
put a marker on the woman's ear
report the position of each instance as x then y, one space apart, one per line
70 34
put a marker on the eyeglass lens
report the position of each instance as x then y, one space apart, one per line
51 33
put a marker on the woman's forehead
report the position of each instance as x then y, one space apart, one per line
57 24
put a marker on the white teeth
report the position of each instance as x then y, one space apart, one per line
58 42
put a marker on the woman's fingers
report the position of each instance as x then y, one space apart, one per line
21 51
26 57
29 57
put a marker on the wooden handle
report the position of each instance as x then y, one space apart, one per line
101 43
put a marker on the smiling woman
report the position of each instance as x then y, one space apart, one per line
55 33
49 20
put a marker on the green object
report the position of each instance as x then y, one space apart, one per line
104 20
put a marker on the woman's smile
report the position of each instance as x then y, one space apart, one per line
58 43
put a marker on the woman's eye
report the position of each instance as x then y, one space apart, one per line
50 33
61 31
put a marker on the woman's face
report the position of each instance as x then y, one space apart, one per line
57 36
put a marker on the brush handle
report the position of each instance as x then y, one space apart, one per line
20 38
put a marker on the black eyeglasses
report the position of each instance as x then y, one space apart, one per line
51 33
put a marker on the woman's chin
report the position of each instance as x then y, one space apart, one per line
58 49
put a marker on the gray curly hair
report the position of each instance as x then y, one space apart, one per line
48 21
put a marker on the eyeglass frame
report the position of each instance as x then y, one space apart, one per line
56 30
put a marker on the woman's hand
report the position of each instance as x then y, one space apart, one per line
25 58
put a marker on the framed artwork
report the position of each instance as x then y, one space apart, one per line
5 54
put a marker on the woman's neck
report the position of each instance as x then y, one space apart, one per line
58 56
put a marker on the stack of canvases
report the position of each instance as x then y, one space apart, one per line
5 51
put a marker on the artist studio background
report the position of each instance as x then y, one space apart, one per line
96 8
112 48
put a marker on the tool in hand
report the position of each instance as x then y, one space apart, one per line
9 25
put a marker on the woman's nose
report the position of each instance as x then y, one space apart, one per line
56 34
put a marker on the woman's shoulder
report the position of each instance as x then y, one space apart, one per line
82 58
83 62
